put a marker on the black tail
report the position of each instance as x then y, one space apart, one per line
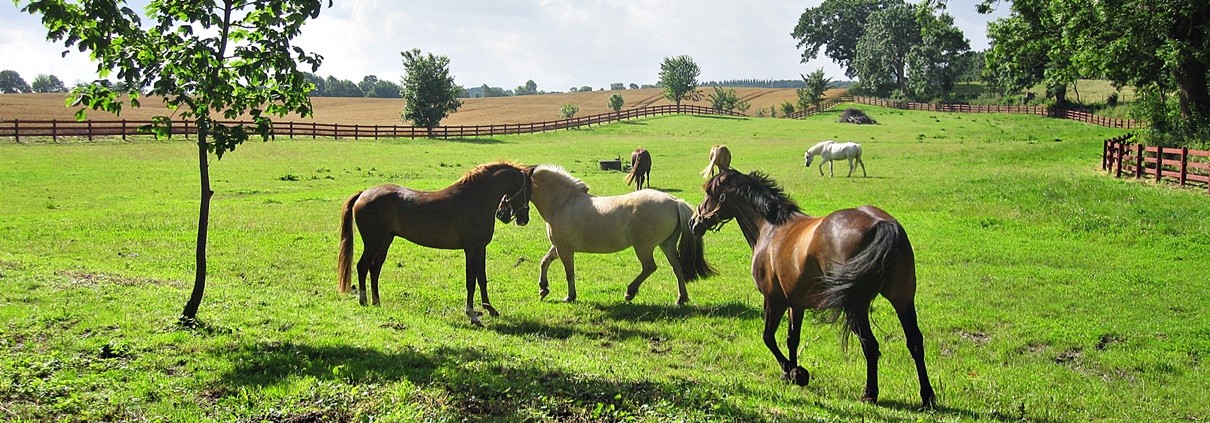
690 249
850 289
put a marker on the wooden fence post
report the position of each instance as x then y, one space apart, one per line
54 130
1121 152
1159 164
90 131
16 131
1138 161
1185 165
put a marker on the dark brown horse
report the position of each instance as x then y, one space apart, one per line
458 217
837 264
640 169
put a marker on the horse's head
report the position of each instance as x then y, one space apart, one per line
807 157
516 205
714 211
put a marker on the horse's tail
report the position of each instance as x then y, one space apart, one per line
630 176
344 262
690 251
710 167
850 289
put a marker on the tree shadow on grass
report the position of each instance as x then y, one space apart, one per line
474 140
478 384
593 331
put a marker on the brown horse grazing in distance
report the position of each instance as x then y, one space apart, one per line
720 158
640 168
837 263
458 217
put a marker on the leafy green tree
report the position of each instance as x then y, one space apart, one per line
428 89
11 82
679 75
569 110
616 86
243 65
633 86
838 25
936 64
531 87
787 108
44 83
342 88
816 83
616 102
586 89
316 81
726 100
882 51
384 89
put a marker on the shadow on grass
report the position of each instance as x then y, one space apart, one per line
484 141
544 330
479 384
655 312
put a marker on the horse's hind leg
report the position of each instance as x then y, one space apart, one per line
851 167
376 269
543 281
669 249
482 278
869 347
648 261
915 344
370 263
862 163
569 267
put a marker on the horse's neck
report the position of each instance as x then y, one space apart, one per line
558 195
752 223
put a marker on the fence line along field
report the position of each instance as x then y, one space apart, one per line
1048 290
380 111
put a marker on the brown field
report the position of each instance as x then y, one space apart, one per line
376 111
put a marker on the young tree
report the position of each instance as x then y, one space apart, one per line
11 82
428 89
243 65
568 110
816 84
679 75
44 83
531 87
616 102
837 24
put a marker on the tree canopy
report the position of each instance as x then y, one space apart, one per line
243 64
679 75
428 89
44 83
836 26
11 82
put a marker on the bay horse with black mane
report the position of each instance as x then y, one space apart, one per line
640 169
836 264
458 217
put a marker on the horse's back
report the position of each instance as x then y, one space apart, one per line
610 224
428 218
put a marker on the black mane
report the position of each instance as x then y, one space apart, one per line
764 194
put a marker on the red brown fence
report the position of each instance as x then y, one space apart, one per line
972 108
91 129
1180 165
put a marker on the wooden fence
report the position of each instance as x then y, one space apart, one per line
91 129
971 108
1180 165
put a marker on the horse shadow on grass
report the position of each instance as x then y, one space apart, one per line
474 140
475 383
655 312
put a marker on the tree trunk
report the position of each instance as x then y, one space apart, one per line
1192 64
203 219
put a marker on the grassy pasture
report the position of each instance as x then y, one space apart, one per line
1048 291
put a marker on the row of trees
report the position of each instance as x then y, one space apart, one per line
12 83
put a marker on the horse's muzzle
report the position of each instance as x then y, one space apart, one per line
697 227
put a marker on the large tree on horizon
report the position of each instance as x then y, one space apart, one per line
428 90
238 62
836 26
678 76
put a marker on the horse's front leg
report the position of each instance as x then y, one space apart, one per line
569 267
774 310
543 281
471 272
482 278
796 374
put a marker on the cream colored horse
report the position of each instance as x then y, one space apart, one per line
832 150
577 221
720 159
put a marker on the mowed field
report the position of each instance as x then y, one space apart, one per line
1048 291
376 111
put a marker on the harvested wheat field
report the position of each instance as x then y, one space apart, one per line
378 111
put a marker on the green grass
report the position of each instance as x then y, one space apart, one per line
1048 290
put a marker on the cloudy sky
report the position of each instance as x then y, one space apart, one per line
503 43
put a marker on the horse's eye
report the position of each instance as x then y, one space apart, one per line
722 197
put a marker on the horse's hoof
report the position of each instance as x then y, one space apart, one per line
542 293
569 299
628 297
929 402
682 301
490 310
869 399
800 376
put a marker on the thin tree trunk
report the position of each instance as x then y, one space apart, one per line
203 219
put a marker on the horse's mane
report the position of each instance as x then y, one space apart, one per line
482 171
764 194
564 175
819 146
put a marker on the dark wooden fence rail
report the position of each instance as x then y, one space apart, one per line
90 129
1181 165
971 108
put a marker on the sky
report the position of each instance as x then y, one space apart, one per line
559 44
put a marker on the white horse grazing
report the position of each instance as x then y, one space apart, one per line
577 221
720 159
832 150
